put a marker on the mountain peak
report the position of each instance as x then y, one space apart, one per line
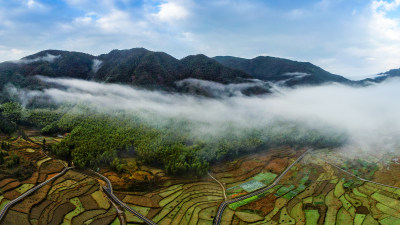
45 53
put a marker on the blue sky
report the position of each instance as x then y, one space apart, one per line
354 38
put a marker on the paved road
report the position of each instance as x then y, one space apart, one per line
217 219
109 191
30 191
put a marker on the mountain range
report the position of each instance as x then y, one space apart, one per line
159 71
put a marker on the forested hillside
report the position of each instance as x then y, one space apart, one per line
286 71
142 68
138 67
394 73
95 139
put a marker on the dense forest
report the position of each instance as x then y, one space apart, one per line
96 139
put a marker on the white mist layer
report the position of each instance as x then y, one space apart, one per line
49 58
369 115
220 90
96 65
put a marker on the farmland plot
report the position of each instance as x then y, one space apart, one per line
315 192
73 198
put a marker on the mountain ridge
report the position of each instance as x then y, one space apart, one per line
160 71
275 69
382 76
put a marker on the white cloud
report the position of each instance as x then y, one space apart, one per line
172 11
49 58
385 5
297 13
112 22
34 4
381 25
116 20
16 51
31 3
86 20
12 53
104 14
380 47
369 42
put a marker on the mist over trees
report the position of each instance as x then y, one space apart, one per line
184 134
97 139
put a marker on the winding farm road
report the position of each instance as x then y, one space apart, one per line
30 191
109 191
360 178
218 217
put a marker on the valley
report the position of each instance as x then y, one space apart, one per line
319 187
196 112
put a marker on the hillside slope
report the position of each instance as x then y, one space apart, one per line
196 74
283 71
382 77
137 67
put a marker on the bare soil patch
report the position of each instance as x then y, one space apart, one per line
141 200
263 205
88 202
60 212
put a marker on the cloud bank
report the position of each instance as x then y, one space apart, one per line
369 116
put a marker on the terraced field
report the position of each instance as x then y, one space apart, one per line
253 172
73 198
184 201
40 166
314 192
191 203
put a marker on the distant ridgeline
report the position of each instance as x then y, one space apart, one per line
159 71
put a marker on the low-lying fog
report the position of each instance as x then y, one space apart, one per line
370 116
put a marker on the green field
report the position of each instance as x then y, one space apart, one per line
315 191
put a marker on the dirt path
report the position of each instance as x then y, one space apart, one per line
222 186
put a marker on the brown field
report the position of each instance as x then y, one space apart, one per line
28 171
60 212
52 204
